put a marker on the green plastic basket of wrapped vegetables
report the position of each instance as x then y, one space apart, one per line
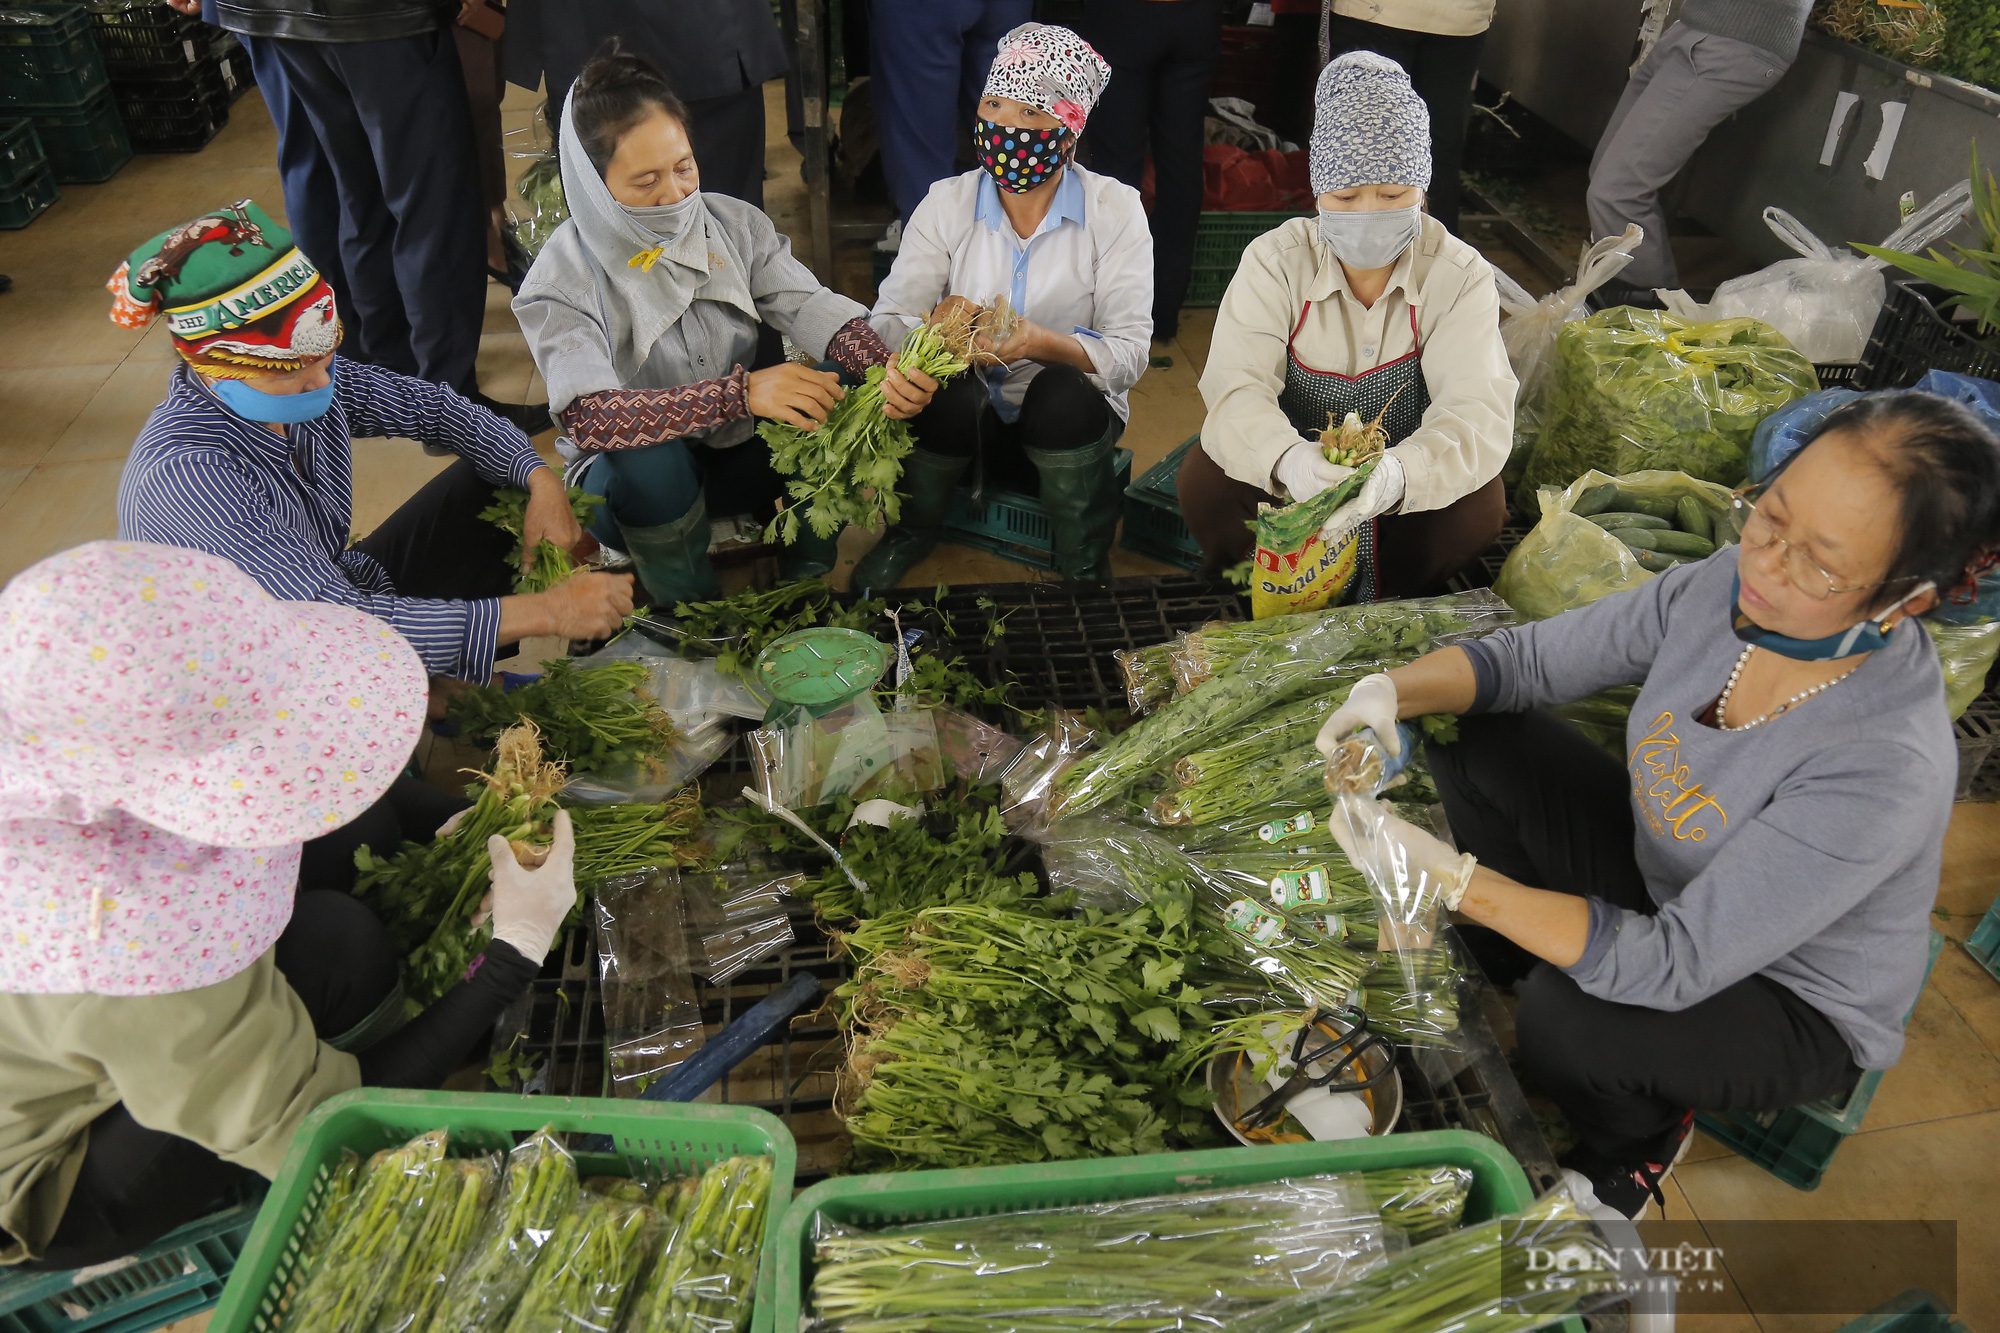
418 1212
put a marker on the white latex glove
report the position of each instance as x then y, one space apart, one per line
1304 472
1382 492
1393 851
529 905
1372 703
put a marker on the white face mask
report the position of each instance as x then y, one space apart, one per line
1373 239
666 221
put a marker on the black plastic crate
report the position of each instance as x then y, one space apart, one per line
1482 572
82 143
556 1028
1915 333
47 57
175 115
1978 733
232 62
20 151
147 41
27 199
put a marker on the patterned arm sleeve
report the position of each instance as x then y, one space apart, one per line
635 418
856 347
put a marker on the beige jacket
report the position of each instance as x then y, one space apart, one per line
1469 426
234 1067
1444 18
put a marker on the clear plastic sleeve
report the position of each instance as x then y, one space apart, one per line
704 1275
854 750
738 915
1422 1202
1405 627
973 751
1513 1274
360 1260
644 784
1027 783
1197 1260
1568 561
588 1268
439 1237
538 1191
652 1021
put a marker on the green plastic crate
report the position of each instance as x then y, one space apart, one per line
180 1274
1011 524
1153 524
20 151
83 143
47 56
1797 1144
26 200
1219 240
667 1138
1915 1311
1498 1187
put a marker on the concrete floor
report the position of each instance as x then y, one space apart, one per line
74 389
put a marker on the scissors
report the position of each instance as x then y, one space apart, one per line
1357 1042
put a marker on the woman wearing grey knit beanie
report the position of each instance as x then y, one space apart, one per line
1371 307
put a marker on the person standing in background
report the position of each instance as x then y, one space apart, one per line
1163 54
716 56
1716 58
929 60
477 31
1438 42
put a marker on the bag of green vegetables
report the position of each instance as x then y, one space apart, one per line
1604 534
1966 653
1643 389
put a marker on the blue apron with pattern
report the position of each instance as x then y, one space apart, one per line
1310 396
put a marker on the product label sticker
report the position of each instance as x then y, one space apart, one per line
1280 829
1331 924
1256 924
1303 887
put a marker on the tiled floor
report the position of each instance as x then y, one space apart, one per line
74 389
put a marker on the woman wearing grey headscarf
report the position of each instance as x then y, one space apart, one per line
1372 308
643 311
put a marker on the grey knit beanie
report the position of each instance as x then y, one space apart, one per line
1369 126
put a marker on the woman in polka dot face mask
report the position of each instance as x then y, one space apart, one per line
1063 259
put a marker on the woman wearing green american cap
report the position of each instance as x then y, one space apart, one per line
250 456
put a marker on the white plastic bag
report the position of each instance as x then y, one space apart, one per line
1826 301
1529 331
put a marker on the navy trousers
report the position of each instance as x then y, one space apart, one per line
312 199
389 121
930 59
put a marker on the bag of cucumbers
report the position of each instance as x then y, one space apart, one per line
1604 534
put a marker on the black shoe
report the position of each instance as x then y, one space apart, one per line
1615 293
516 271
6 283
1626 1188
528 418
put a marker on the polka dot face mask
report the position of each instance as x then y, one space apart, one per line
1019 159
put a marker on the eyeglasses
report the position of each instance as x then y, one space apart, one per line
1801 570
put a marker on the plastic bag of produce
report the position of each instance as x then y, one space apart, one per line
1640 390
1966 653
1571 559
1529 333
1296 569
1196 1260
704 1276
360 1260
587 1268
538 1191
437 1237
1422 1202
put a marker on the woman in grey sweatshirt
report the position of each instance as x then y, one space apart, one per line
1736 918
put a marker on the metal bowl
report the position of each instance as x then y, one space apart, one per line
1236 1091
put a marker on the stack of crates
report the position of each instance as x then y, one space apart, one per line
51 74
164 73
27 186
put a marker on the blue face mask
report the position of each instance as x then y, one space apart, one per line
1864 637
275 408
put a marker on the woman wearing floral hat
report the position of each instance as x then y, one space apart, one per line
1373 308
1071 254
251 456
171 1006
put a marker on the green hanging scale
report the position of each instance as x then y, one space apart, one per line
817 670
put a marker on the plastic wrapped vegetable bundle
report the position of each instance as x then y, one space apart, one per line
360 1260
1422 1202
1176 1261
538 1192
1290 776
1148 674
1641 389
703 1279
439 1235
580 1280
1402 628
1485 1277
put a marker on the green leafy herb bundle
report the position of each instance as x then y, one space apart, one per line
354 1272
591 718
509 512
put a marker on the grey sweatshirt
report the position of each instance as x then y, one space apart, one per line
1775 25
1806 850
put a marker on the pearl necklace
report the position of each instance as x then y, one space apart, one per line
1722 703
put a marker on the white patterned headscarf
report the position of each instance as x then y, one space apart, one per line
1050 69
1369 126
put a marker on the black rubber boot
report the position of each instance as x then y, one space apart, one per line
811 556
1081 497
672 559
929 481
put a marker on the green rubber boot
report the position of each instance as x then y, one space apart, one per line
811 556
929 481
672 559
1081 497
